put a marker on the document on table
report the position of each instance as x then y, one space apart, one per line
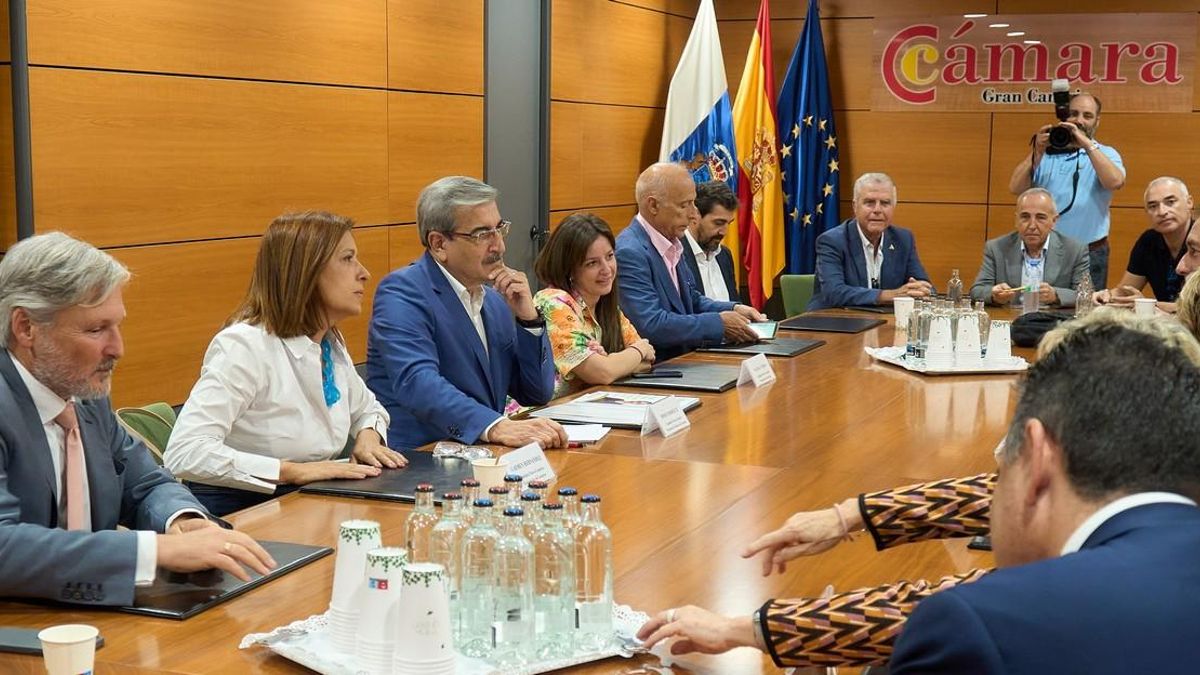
609 408
583 434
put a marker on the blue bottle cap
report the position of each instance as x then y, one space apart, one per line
567 491
514 511
591 499
484 502
531 497
512 478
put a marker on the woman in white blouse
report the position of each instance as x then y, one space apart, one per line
278 395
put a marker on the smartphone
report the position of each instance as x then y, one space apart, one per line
764 329
655 374
980 543
25 641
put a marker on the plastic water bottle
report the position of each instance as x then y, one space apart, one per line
513 592
1084 302
445 543
531 504
553 586
569 497
499 496
954 288
420 525
913 335
470 492
478 562
985 324
593 578
539 487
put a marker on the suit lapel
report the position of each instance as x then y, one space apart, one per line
35 450
1014 261
689 257
854 245
457 314
1054 261
492 316
103 471
658 270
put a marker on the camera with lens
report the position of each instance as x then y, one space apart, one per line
1060 136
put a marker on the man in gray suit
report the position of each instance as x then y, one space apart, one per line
69 473
1034 257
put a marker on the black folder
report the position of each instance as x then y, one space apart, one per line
400 485
177 595
777 347
696 377
830 324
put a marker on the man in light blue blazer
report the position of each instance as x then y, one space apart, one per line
867 260
456 333
69 473
1094 520
658 293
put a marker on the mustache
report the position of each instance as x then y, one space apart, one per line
493 259
107 365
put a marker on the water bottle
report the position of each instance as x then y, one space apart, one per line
499 496
539 487
1030 301
954 288
420 525
914 330
470 492
553 586
923 332
569 497
531 504
513 589
445 543
1084 302
512 483
985 324
478 563
593 578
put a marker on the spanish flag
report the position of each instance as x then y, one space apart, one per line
759 243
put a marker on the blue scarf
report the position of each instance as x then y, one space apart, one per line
332 395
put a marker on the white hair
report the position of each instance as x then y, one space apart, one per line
873 178
1166 179
1038 191
438 205
50 272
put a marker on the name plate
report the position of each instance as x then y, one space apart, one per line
665 415
530 463
756 370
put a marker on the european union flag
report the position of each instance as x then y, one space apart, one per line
809 155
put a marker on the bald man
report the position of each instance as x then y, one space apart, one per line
658 292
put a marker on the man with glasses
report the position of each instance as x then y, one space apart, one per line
456 333
657 290
1158 250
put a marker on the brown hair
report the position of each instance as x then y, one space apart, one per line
564 253
283 296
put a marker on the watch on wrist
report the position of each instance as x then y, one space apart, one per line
537 322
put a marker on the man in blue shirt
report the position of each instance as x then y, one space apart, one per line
1082 178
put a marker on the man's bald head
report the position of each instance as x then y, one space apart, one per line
666 198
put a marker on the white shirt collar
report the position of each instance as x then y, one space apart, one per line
300 345
463 293
1111 509
48 403
697 250
867 242
1045 247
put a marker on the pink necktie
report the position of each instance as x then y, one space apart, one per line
73 481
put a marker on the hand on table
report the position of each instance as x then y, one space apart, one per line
206 548
697 630
369 449
516 433
301 473
805 533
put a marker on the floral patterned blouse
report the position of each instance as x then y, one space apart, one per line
574 335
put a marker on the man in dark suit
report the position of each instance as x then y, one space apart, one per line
456 332
1093 518
867 260
658 292
1035 255
710 262
69 473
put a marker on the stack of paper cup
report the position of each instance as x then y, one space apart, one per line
903 308
999 344
355 538
424 644
939 353
377 622
966 347
69 649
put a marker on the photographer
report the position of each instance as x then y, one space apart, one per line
1082 177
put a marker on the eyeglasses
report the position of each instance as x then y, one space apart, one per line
485 233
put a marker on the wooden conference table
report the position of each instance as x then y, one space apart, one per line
680 508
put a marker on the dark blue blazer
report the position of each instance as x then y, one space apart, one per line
673 321
1127 602
427 366
724 261
842 279
125 486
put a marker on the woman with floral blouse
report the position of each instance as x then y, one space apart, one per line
592 340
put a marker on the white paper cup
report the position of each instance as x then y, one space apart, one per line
967 343
903 307
999 345
355 538
381 591
69 649
1144 306
423 619
489 473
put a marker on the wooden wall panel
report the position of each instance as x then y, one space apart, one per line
404 246
796 9
429 136
681 7
8 203
295 40
434 48
607 52
126 159
5 57
603 148
373 252
617 217
1095 6
933 157
948 236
